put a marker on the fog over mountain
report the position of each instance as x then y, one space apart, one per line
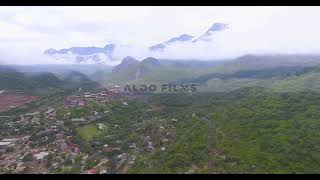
108 34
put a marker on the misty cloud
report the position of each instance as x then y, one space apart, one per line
25 32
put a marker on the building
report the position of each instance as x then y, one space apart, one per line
107 148
78 119
101 126
49 112
32 114
41 155
4 144
92 171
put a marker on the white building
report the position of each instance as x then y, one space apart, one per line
41 155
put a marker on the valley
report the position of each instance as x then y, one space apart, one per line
114 90
240 118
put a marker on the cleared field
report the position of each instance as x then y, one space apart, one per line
11 100
89 131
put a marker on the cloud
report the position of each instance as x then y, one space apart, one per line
25 32
271 30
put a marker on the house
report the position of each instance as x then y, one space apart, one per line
49 112
132 145
81 103
95 113
20 167
107 148
45 138
122 156
92 171
54 128
9 140
41 155
164 140
103 171
101 126
150 145
73 147
59 122
88 96
131 162
116 149
78 119
32 114
4 144
55 165
102 94
73 101
106 145
35 121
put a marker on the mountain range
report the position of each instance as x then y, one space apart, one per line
84 54
162 46
276 72
206 36
106 54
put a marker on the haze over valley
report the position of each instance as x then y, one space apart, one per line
169 90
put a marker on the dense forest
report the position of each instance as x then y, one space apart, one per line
244 131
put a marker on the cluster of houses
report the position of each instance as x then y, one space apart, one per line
56 141
15 160
37 144
63 144
74 101
13 151
101 95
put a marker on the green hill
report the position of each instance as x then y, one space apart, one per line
11 79
308 80
257 70
151 70
43 83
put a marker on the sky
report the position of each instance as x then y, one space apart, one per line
25 32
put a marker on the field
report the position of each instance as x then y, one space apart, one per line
88 132
8 101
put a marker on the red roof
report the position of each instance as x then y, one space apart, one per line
92 171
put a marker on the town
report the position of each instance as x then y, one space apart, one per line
87 132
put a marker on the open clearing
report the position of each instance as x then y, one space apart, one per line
88 132
11 100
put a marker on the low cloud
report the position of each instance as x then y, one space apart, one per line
25 32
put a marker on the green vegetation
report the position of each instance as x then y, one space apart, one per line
89 132
244 118
43 83
252 131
